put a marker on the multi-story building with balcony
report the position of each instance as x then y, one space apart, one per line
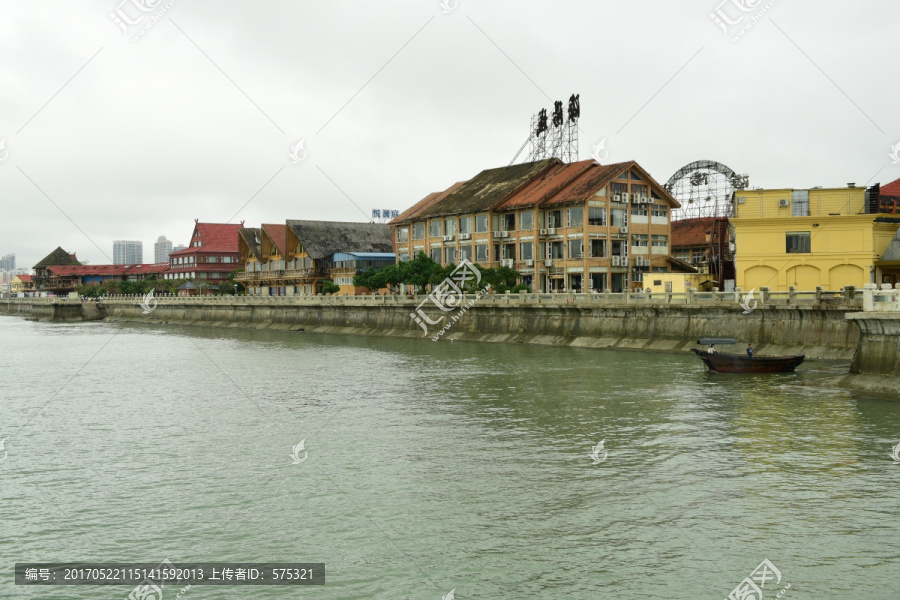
210 257
299 256
564 226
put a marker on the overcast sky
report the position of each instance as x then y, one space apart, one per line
111 137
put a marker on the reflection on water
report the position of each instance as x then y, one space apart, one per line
435 466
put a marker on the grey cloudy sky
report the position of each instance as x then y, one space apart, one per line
110 138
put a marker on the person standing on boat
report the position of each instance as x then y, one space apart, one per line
749 350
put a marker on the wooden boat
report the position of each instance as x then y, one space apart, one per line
741 363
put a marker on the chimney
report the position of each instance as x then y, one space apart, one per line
851 185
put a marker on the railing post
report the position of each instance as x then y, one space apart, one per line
763 294
689 295
792 293
869 296
819 290
849 292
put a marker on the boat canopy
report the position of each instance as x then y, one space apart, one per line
715 341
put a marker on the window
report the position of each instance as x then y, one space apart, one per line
481 223
640 189
639 212
660 211
402 235
597 216
509 251
465 224
419 231
797 241
576 249
660 244
638 241
481 251
618 217
598 248
619 188
465 253
403 256
436 255
526 220
229 259
526 250
508 222
575 217
555 250
449 226
450 256
434 228
800 204
635 176
623 175
554 218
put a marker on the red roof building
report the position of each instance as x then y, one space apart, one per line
211 256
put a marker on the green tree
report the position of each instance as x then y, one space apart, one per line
329 287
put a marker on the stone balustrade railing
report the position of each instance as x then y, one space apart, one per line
870 298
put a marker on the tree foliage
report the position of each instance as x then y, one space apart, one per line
422 271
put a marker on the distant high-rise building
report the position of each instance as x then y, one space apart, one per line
179 247
8 262
128 252
161 250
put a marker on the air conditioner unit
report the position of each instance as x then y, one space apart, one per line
448 238
529 263
543 232
625 197
465 236
623 229
551 230
783 202
504 234
498 234
645 200
615 261
617 198
548 262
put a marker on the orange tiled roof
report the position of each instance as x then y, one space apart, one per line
278 235
425 203
891 189
692 232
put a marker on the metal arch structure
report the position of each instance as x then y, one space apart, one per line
705 188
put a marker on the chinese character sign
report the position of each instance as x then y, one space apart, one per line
376 213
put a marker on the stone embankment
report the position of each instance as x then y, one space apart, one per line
813 323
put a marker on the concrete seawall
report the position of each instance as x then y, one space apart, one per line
818 332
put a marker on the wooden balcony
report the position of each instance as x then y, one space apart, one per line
282 274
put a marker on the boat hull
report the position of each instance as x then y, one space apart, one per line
737 363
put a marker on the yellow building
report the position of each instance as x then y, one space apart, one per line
806 238
21 284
